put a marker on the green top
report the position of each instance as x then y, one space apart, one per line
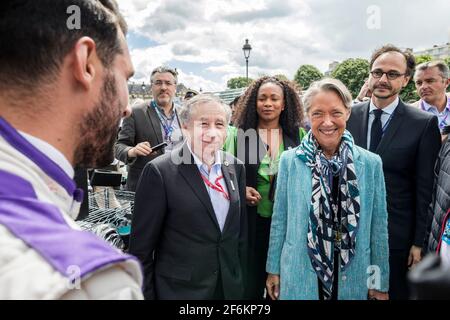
267 168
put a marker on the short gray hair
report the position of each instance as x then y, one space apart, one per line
327 84
441 65
164 69
187 107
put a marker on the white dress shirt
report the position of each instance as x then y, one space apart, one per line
220 204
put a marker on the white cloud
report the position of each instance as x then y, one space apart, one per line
145 60
226 68
206 36
198 83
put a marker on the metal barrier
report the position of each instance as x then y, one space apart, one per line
110 213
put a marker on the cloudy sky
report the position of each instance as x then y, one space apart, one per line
203 39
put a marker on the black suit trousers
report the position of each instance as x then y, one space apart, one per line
398 265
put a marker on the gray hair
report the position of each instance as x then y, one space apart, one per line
164 69
441 65
186 109
327 84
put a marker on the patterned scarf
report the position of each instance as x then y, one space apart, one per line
323 220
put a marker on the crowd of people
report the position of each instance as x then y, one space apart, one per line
316 196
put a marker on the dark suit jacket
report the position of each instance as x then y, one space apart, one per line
176 236
142 125
409 148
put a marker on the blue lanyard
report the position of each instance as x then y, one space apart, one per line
167 126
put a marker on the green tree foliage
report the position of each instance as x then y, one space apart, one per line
306 75
238 82
423 58
281 77
353 73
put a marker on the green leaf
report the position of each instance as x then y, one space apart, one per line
307 74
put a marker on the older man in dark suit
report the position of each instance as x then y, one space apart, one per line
189 227
150 124
408 141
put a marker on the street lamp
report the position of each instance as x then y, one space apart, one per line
143 90
247 48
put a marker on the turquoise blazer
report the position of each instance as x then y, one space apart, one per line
288 256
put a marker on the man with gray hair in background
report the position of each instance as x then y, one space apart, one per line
150 124
432 79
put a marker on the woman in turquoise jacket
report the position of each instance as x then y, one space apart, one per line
328 237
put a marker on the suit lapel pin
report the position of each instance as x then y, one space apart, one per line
225 163
232 185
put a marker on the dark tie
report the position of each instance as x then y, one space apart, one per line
377 131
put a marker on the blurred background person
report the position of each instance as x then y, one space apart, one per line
189 94
432 80
329 224
364 94
233 104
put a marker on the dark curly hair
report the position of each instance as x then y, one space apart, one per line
291 118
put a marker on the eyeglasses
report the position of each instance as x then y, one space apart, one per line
159 83
391 75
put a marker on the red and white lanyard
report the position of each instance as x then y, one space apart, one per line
216 186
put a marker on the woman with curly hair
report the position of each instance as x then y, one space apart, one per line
268 120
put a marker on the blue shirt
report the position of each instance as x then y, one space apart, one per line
386 117
443 117
220 204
